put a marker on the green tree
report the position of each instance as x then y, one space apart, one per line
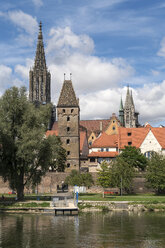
79 179
115 174
104 177
155 175
134 157
25 153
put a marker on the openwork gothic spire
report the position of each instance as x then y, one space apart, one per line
39 77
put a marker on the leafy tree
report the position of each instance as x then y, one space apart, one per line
134 157
25 154
79 179
155 175
104 178
112 174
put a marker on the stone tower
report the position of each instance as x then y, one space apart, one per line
39 77
130 115
121 113
68 124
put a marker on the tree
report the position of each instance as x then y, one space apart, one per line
155 175
112 174
134 157
104 178
25 153
79 179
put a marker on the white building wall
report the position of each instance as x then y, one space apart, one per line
150 143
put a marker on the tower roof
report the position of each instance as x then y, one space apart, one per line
121 104
40 61
129 99
67 96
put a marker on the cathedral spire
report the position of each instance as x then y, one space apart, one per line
121 112
39 77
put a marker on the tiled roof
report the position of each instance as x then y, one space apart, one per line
82 139
51 132
103 154
133 135
159 133
67 96
94 126
105 140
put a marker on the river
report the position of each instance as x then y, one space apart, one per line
88 230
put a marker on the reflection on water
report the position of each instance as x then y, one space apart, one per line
91 230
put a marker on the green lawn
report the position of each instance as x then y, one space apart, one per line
151 198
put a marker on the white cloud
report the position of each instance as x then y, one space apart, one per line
23 71
161 51
71 53
24 21
38 3
65 42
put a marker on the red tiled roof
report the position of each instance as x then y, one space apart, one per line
103 154
51 132
94 125
105 140
137 136
82 139
159 133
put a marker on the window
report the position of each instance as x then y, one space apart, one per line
68 152
90 143
113 128
129 134
68 129
92 159
107 149
68 118
72 110
113 121
63 110
68 141
102 149
68 165
130 143
92 137
148 154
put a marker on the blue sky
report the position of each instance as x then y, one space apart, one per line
105 44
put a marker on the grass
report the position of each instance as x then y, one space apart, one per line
151 198
25 205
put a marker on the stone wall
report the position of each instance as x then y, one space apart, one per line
52 179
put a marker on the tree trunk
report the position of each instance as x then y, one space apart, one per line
20 192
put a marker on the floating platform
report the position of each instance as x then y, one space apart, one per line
66 211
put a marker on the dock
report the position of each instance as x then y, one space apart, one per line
64 204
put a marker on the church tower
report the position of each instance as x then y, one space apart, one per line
68 124
121 113
39 77
130 115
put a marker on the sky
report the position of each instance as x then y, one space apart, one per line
105 44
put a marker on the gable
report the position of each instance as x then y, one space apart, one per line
150 143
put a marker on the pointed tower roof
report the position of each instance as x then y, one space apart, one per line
132 98
40 61
67 96
121 104
128 100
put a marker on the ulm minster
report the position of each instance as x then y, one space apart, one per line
89 142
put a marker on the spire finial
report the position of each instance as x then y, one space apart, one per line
64 76
40 31
70 76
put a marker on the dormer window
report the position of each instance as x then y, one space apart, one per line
129 134
130 143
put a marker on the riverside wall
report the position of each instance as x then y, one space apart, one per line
52 179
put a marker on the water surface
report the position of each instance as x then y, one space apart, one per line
91 230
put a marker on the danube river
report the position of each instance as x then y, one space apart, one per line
88 230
